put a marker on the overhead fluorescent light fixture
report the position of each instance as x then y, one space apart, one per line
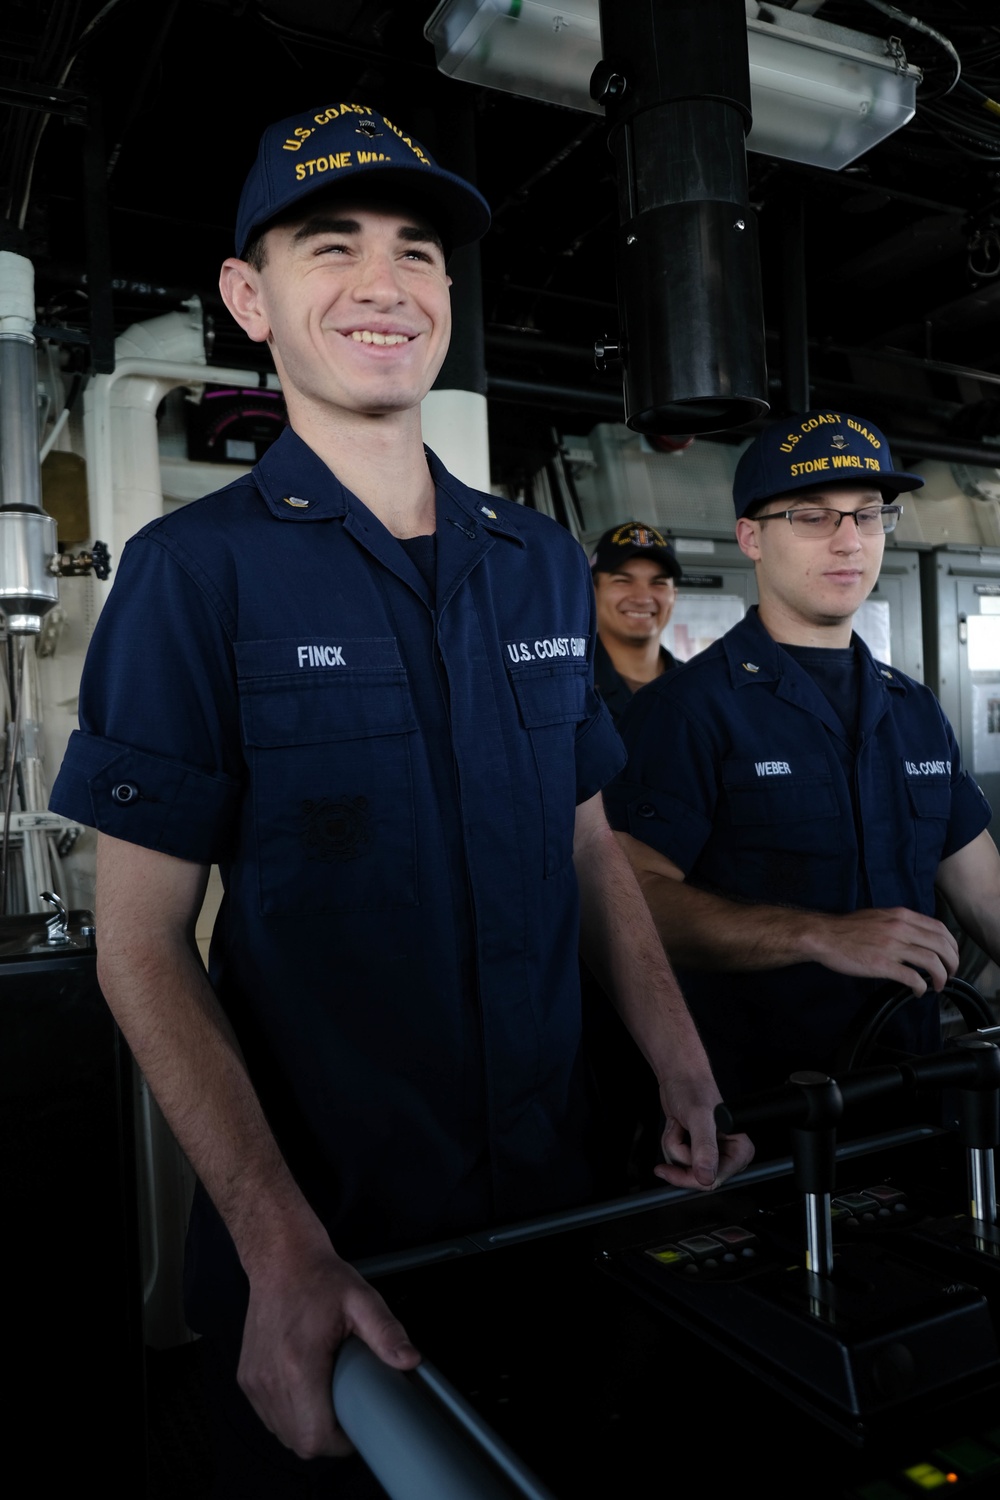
820 94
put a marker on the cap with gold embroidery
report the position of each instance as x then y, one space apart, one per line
816 448
343 144
633 539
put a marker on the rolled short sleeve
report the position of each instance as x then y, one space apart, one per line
665 797
157 759
146 799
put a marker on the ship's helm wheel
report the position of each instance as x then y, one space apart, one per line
858 1042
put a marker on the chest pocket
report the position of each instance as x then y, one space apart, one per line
330 755
767 792
930 803
786 838
551 702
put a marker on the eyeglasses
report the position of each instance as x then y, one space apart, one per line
872 520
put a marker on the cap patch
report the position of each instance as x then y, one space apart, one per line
344 142
816 448
632 534
622 542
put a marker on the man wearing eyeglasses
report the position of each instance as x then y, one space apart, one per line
790 804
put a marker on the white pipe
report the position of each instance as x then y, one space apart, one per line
17 295
57 428
119 419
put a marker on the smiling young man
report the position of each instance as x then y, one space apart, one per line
790 804
635 573
365 691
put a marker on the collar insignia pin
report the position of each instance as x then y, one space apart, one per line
298 504
748 666
487 512
886 673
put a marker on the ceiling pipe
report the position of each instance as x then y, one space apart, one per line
606 406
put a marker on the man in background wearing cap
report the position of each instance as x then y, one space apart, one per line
365 691
790 804
635 572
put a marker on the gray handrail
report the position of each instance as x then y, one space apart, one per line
419 1437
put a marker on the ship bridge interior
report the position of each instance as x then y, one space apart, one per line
847 260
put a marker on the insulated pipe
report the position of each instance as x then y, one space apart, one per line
675 82
119 418
27 535
123 462
20 473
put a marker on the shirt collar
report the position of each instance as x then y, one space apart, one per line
296 485
753 656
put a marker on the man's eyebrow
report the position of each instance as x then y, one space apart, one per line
420 233
320 223
325 224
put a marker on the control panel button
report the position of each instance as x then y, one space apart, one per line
927 1477
886 1195
855 1203
700 1246
968 1458
734 1236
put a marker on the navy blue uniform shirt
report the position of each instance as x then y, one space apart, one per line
388 781
741 773
611 685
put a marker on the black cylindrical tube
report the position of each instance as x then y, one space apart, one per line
814 1157
676 86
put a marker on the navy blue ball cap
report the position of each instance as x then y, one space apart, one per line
816 448
343 144
633 539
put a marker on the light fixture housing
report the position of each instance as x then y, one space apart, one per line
821 94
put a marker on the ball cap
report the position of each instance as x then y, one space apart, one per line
343 144
816 448
633 539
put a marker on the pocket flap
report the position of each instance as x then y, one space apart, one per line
930 796
551 695
307 712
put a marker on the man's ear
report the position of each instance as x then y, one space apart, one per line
748 538
239 285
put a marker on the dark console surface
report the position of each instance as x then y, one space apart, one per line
690 1340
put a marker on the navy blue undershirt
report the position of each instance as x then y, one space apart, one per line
422 552
835 671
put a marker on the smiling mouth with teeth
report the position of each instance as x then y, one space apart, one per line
367 337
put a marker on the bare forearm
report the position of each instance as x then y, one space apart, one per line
970 882
709 932
159 992
182 1042
620 944
303 1299
705 931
